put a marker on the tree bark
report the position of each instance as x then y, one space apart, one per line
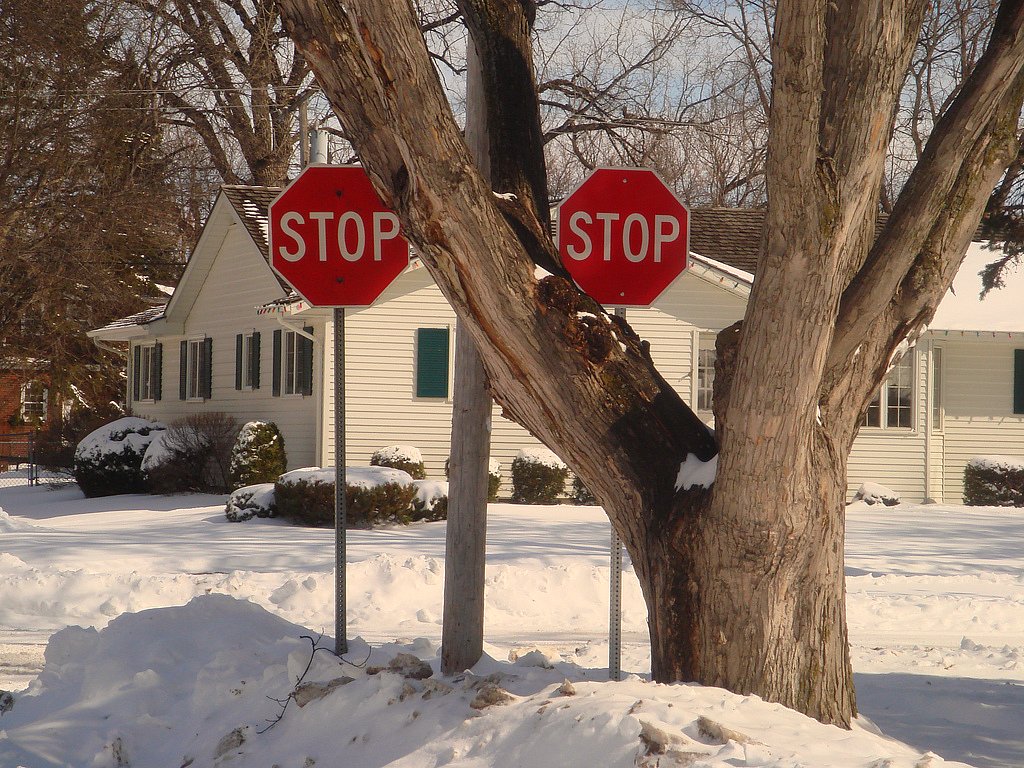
743 582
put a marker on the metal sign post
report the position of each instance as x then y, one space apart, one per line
615 596
340 503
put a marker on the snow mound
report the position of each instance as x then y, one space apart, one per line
10 524
429 492
357 477
221 681
540 455
128 431
997 462
405 454
874 493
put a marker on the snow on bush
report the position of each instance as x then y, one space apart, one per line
374 496
258 455
994 481
249 502
538 476
430 501
404 457
109 460
873 493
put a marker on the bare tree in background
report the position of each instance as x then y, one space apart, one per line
226 72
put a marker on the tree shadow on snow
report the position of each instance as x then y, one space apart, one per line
979 722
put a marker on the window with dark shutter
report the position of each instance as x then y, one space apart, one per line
136 372
239 360
1018 381
183 372
276 382
254 360
206 369
157 377
432 345
306 363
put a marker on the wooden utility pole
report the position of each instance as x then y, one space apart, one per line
462 633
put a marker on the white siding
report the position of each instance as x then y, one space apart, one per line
381 407
894 457
978 400
238 281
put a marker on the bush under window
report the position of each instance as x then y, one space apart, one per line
258 455
403 457
108 460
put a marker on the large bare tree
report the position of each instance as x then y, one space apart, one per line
743 581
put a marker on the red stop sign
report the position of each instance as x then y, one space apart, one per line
623 236
333 240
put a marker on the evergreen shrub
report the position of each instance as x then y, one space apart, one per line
538 477
251 501
374 496
403 457
108 460
994 481
258 455
431 500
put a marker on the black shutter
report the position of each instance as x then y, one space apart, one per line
183 372
276 383
307 363
238 361
1018 381
157 384
136 372
431 362
254 361
206 369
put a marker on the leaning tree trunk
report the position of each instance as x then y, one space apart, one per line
743 582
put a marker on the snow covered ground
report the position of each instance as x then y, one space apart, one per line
201 623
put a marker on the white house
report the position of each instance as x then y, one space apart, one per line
233 338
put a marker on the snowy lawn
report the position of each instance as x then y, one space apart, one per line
936 614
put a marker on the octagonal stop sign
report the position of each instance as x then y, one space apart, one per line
623 236
333 240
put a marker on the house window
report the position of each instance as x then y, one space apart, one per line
293 363
432 362
196 381
247 361
146 377
705 374
893 406
34 397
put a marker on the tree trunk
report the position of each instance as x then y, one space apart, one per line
744 583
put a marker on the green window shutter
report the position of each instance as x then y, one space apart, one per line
206 369
238 361
276 383
1018 381
432 362
254 361
136 372
183 372
158 371
307 363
